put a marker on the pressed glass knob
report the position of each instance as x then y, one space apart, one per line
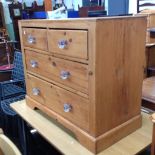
35 91
64 75
67 107
34 63
62 44
31 39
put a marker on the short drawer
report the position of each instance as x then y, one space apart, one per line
35 38
151 21
68 73
72 43
71 106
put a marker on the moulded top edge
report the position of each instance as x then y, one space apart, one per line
81 19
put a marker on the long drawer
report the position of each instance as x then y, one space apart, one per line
35 38
69 105
72 43
68 73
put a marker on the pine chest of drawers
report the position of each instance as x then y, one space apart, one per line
87 74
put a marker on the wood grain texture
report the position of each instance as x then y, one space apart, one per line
120 52
114 135
54 98
150 24
148 90
51 68
94 145
38 34
111 78
63 140
150 17
76 42
83 137
57 55
151 20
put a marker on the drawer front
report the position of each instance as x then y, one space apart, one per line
151 23
68 73
71 43
69 105
35 38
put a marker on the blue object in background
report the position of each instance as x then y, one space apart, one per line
34 15
39 15
73 14
118 7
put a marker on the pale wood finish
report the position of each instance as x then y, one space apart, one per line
54 98
60 85
151 20
122 70
153 135
7 146
93 144
1 131
63 140
150 40
83 137
51 67
150 17
76 42
39 36
57 55
150 14
148 91
114 73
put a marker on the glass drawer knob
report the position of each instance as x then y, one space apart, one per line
31 39
62 44
64 75
35 91
67 107
34 63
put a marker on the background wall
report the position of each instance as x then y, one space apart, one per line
118 7
133 6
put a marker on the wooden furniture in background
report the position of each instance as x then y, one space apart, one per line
149 60
80 73
150 38
83 11
148 93
64 141
48 5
